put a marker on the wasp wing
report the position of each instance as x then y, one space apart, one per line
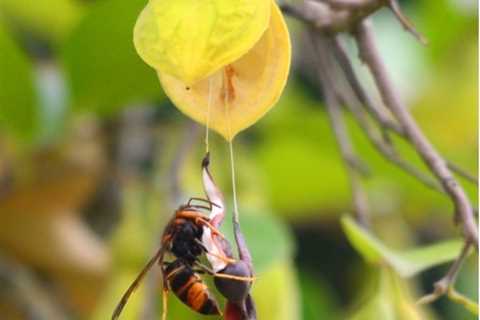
158 256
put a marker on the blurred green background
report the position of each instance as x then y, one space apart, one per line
94 159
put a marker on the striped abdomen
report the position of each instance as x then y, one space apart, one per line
190 289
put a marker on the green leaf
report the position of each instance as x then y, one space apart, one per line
408 262
102 66
425 257
18 101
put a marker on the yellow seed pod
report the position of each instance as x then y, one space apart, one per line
191 39
239 94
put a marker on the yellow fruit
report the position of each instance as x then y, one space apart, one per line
241 92
191 39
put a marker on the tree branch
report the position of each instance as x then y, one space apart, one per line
369 54
347 4
462 173
402 123
442 286
382 146
377 112
328 18
404 21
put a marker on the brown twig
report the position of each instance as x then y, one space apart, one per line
369 54
442 286
362 9
462 173
312 13
378 141
377 112
402 123
347 4
327 18
405 22
359 197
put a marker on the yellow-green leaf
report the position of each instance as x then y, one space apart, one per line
191 39
406 263
239 94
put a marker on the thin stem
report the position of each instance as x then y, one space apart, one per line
404 21
236 218
346 4
343 15
207 124
371 56
339 128
373 109
442 286
377 111
462 173
355 107
328 18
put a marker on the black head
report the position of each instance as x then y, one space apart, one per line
185 241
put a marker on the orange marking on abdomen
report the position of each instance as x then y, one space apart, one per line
187 285
197 295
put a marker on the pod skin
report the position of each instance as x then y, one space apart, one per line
240 93
191 39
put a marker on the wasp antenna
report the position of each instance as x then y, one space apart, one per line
206 160
215 205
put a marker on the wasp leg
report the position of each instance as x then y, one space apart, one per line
223 275
221 257
173 272
164 303
200 219
199 271
215 231
165 290
238 278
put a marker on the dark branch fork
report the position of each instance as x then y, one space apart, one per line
325 20
381 117
370 55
